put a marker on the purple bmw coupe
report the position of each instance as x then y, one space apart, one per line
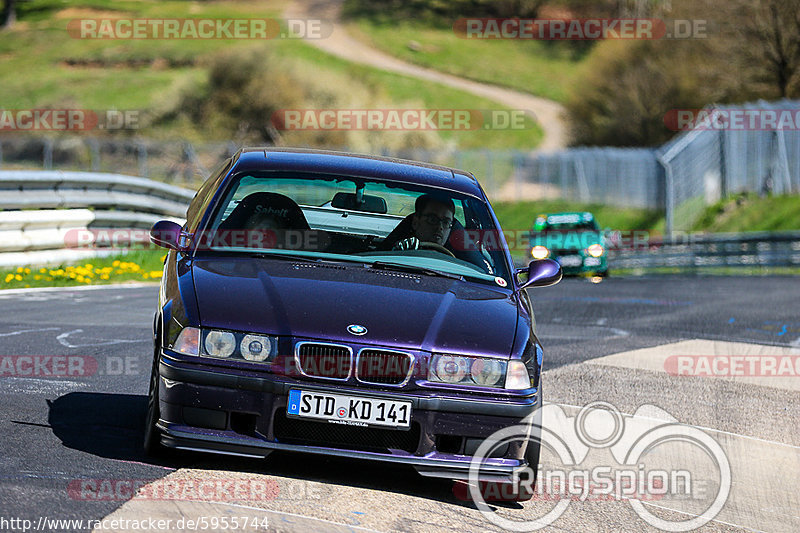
344 305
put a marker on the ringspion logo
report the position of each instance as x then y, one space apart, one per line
638 463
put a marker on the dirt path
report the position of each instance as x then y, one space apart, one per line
547 112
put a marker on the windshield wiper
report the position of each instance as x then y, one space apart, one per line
300 258
388 265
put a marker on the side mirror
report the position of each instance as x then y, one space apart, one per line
541 273
165 233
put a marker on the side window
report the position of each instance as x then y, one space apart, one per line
203 197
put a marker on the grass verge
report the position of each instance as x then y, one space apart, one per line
141 265
546 69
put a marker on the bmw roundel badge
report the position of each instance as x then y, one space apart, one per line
357 329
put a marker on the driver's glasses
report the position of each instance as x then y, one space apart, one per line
433 220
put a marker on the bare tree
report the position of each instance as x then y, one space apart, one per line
520 8
9 15
770 48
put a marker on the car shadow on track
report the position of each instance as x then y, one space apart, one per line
112 426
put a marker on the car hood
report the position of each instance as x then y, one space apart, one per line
319 301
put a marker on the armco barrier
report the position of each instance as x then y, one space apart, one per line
39 208
700 251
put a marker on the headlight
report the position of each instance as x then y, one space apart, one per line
220 343
517 377
451 368
486 372
539 252
188 341
238 346
255 347
470 371
595 250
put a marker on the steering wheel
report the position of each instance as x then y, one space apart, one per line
427 245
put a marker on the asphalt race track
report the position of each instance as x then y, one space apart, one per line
609 342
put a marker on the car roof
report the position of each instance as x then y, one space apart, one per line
357 165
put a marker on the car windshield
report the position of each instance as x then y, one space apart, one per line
382 223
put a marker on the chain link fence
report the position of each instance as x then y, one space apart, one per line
742 148
695 169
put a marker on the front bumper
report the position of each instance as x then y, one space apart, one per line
589 265
221 411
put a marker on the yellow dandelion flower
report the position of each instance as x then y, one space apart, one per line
80 279
20 270
145 275
9 277
37 277
18 277
103 276
155 273
115 263
42 270
27 270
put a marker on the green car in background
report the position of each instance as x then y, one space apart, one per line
573 239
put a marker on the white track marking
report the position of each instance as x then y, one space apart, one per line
103 342
134 285
20 332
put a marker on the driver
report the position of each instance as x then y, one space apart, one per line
432 221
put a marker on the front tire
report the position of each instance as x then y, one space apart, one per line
152 435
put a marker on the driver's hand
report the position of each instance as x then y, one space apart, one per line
412 243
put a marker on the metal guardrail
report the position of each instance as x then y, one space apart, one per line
40 209
699 251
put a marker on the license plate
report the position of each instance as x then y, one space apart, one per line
570 260
349 410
